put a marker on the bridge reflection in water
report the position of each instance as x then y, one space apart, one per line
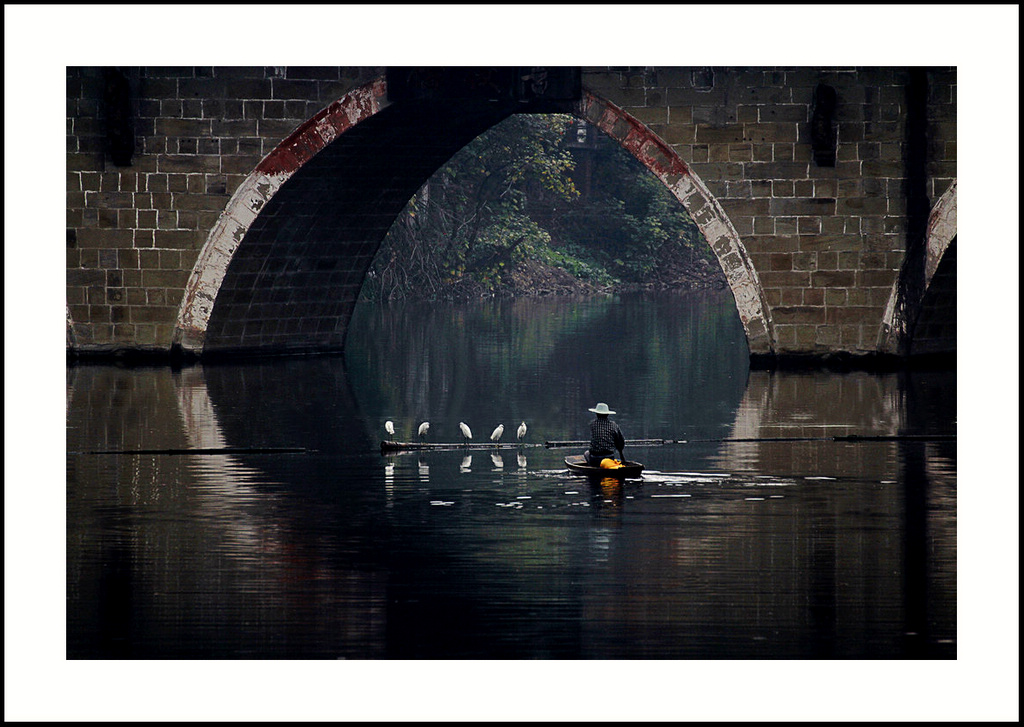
796 549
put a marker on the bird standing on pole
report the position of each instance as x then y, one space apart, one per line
389 427
423 429
498 431
465 431
521 432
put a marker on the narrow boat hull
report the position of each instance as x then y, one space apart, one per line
577 464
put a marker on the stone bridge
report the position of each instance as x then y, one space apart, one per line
219 211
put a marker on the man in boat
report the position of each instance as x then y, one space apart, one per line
605 437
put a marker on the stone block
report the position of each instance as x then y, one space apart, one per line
97 238
805 261
827 336
848 260
79 277
784 278
107 218
875 278
171 125
145 334
828 261
808 226
833 226
647 115
785 225
101 333
805 335
127 218
231 128
718 152
783 112
200 201
151 314
187 220
740 152
165 278
170 260
788 297
771 132
861 206
835 296
813 297
240 165
833 278
797 206
177 239
847 315
713 135
879 169
799 314
785 336
189 164
283 88
786 171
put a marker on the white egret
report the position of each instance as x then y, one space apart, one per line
389 427
498 431
465 431
521 432
423 429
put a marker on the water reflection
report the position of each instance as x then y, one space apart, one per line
763 549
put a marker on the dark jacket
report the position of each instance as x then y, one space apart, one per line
605 437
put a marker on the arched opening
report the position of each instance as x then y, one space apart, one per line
935 319
282 269
934 331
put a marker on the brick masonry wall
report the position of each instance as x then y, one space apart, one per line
134 233
826 242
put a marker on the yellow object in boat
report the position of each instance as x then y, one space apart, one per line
610 464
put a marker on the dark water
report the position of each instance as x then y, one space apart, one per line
804 548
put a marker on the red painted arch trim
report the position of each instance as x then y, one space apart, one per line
255 191
315 134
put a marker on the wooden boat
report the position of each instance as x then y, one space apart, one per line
577 464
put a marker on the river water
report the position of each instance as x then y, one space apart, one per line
246 511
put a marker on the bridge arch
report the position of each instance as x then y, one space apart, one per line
281 269
941 239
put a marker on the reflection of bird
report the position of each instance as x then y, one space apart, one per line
521 432
497 461
423 429
389 427
498 431
465 431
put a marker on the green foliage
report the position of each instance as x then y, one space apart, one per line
511 196
629 221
